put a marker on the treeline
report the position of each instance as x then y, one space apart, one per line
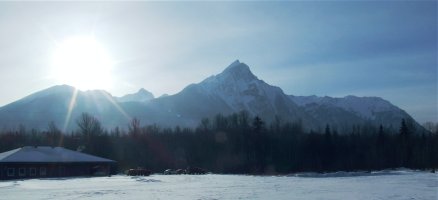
239 143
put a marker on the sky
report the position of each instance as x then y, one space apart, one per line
324 48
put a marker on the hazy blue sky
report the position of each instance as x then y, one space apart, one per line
372 48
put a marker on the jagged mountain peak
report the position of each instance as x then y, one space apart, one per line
142 95
236 65
239 89
143 91
238 70
236 75
234 80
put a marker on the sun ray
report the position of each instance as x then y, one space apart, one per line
70 110
117 106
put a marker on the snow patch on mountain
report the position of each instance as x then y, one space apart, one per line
239 88
365 107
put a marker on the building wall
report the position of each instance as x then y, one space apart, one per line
46 170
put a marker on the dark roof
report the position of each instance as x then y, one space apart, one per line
45 154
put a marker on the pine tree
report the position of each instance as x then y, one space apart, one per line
327 129
258 124
406 148
404 130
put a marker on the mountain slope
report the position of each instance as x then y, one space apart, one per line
53 105
352 110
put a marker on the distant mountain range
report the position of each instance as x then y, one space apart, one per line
141 96
233 90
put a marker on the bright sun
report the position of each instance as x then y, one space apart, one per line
83 63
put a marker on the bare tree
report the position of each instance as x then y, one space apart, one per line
91 130
134 126
89 125
53 129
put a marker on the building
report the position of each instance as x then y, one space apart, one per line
44 161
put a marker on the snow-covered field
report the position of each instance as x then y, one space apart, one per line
377 185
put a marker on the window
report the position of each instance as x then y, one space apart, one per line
22 172
11 172
43 171
32 171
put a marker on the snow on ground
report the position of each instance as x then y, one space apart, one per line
340 185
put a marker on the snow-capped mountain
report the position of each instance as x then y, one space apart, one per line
365 107
353 109
233 90
241 90
141 96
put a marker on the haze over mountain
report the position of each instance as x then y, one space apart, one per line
233 90
141 96
349 110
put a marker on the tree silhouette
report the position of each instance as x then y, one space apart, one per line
91 129
241 143
134 127
258 124
404 130
89 125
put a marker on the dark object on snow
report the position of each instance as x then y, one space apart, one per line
174 171
45 161
169 172
189 170
139 172
195 170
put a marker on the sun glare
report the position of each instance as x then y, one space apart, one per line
83 63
